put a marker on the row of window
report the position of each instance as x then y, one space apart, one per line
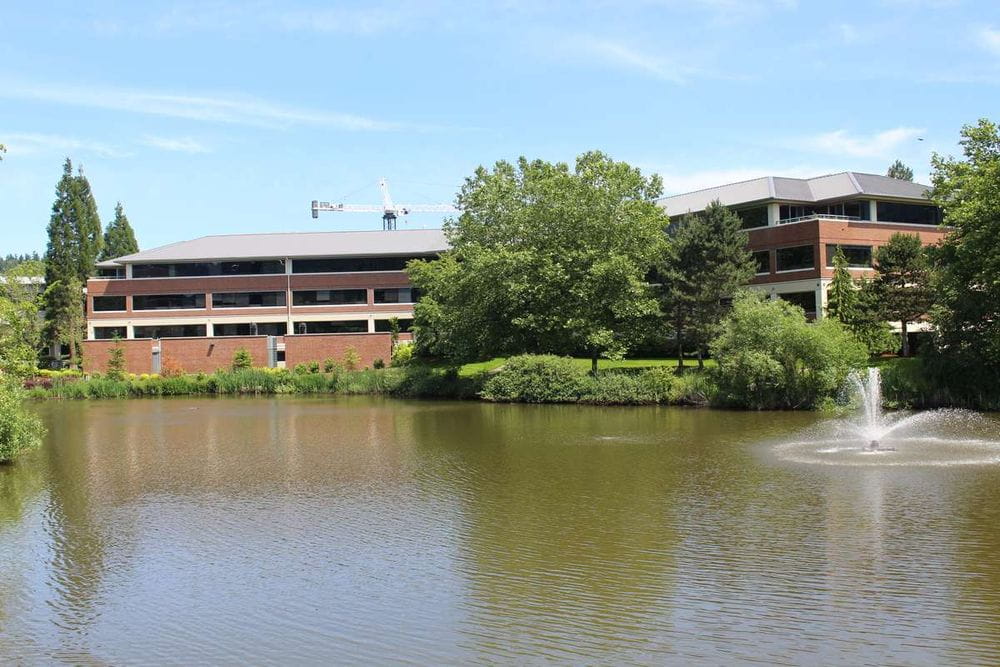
270 266
803 257
333 297
248 329
912 214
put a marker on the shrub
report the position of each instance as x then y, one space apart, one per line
242 359
612 388
401 354
351 359
170 368
769 356
314 367
301 369
330 365
19 429
378 363
537 379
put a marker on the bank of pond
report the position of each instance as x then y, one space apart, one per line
524 379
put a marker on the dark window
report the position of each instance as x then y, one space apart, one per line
248 299
397 295
804 300
911 214
184 269
792 259
168 301
859 256
762 258
852 209
104 272
102 303
752 217
329 297
107 333
170 331
251 329
347 264
383 325
341 326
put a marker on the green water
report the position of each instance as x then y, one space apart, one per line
358 530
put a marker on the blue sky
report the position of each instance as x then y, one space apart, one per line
217 117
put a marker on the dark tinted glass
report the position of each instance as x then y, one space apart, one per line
397 295
912 214
107 333
804 300
762 258
332 297
102 303
753 217
859 256
182 269
170 331
347 264
383 325
248 329
248 299
790 259
167 301
346 326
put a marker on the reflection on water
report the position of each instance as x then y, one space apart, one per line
360 530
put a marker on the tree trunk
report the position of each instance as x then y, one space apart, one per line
701 359
593 364
680 345
906 340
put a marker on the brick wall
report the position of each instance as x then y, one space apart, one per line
317 347
209 354
138 355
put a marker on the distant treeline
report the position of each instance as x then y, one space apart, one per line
9 260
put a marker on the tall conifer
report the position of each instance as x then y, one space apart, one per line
119 239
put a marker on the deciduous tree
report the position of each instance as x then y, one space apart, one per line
544 259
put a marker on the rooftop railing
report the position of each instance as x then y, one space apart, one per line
819 216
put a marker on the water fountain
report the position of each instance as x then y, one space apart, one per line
874 436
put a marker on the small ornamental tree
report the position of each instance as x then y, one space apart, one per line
902 282
242 359
351 359
842 295
116 360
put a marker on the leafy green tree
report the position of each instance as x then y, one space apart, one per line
770 356
899 171
64 316
119 239
20 326
856 306
19 429
544 259
703 268
967 287
902 282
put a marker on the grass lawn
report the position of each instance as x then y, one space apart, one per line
469 370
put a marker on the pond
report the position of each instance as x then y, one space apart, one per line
314 530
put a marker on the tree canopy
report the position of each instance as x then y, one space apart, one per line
544 258
119 239
902 281
900 171
967 316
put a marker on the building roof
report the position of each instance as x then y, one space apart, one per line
777 188
294 244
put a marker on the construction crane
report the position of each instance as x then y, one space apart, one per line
388 209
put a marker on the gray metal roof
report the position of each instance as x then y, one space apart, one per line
295 244
777 188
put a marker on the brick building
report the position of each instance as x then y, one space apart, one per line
794 226
287 298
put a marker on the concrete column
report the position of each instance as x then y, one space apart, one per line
820 300
773 214
873 210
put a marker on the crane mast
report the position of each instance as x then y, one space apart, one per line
389 210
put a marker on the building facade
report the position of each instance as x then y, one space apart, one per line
795 225
288 298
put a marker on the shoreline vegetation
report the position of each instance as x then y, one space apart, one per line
522 379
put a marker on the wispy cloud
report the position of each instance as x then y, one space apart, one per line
243 110
841 142
611 53
176 145
989 39
35 143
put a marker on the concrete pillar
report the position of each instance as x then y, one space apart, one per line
872 210
773 214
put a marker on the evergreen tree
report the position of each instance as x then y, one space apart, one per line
87 228
64 317
842 295
902 281
119 239
899 171
704 267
